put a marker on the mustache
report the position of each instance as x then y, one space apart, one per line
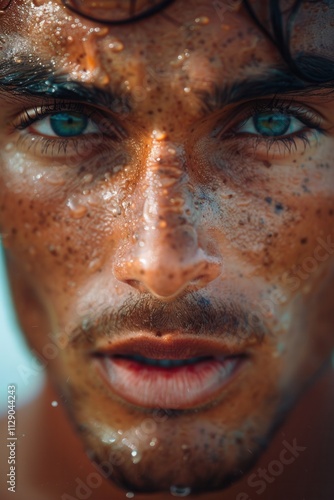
192 314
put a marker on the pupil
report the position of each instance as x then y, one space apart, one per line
68 124
272 124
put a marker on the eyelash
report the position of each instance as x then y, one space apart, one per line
308 118
53 146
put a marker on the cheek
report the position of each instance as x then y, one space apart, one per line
58 234
274 214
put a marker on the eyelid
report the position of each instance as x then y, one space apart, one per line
107 124
239 115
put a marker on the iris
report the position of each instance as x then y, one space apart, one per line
68 124
272 124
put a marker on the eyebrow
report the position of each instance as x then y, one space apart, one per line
24 78
39 80
273 82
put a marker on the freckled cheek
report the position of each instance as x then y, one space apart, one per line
52 241
300 241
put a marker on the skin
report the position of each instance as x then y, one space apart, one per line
175 210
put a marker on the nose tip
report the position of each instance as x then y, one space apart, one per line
169 263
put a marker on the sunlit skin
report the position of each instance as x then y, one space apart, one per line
169 204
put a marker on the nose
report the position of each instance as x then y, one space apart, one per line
170 252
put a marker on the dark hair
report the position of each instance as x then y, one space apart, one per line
308 67
128 13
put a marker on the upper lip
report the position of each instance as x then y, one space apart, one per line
168 347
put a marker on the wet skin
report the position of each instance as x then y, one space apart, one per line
169 203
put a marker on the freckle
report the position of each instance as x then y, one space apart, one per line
278 208
268 199
303 241
267 163
330 212
171 276
142 272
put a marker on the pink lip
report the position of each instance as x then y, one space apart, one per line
176 387
181 387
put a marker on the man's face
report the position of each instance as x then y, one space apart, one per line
170 203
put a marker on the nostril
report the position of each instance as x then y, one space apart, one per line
132 283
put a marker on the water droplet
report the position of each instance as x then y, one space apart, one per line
159 135
77 210
130 494
87 178
55 179
85 323
54 404
136 456
116 211
94 264
202 20
180 491
109 439
153 442
116 46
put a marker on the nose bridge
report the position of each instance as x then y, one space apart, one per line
168 201
167 255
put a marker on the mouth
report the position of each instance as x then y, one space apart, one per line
168 373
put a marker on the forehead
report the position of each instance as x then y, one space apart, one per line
187 45
197 40
52 29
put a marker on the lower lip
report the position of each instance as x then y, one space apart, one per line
180 387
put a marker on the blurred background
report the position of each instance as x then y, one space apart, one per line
17 366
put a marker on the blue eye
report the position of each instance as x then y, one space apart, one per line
271 124
65 124
68 124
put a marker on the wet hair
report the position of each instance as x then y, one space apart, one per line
310 68
130 12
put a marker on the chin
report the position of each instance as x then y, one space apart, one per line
185 454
